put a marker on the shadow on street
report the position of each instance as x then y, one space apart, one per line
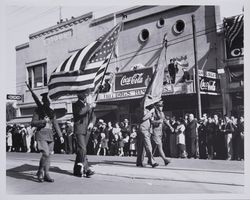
19 172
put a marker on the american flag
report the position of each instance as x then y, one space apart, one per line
85 68
233 26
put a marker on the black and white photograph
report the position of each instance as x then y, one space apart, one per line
141 99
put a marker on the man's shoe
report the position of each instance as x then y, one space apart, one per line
78 174
40 176
155 165
166 162
89 173
48 179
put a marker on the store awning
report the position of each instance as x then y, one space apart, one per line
20 120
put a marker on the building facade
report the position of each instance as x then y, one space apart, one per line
138 52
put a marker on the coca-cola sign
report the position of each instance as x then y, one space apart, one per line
209 85
134 79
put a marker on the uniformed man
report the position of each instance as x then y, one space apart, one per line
157 122
144 135
44 137
84 120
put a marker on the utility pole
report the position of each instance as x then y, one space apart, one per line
197 81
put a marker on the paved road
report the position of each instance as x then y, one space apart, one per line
119 175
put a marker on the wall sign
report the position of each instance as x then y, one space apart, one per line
209 85
130 80
14 97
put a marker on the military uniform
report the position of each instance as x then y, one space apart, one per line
82 113
45 141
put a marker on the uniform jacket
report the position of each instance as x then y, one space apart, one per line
81 114
44 131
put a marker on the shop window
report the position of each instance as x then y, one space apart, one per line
37 75
179 26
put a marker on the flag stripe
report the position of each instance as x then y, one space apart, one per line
72 83
73 63
90 68
54 91
62 67
86 49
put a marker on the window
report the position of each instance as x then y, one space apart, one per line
144 35
37 75
179 26
160 23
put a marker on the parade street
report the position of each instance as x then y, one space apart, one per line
119 175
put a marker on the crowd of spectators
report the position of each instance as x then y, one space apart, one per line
208 138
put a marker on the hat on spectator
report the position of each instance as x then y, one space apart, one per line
126 120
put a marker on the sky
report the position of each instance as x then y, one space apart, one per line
23 19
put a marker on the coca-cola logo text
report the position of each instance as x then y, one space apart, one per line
208 85
135 79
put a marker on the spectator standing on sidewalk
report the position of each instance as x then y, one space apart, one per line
180 131
8 138
210 138
191 137
202 137
132 142
69 133
29 135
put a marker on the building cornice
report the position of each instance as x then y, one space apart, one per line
128 11
63 25
22 46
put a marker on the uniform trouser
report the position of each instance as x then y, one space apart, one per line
81 153
157 138
45 147
144 144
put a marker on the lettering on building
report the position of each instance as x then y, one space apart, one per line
59 36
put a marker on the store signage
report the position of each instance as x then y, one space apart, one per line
207 74
234 49
181 88
135 79
14 97
209 85
122 94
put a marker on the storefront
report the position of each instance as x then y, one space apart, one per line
129 87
